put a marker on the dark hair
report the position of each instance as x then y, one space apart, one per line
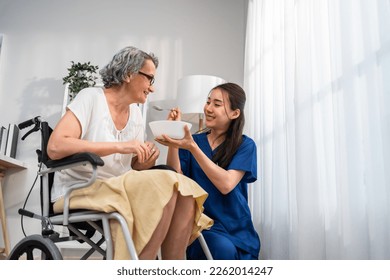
233 136
127 61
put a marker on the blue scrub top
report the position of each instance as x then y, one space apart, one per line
231 213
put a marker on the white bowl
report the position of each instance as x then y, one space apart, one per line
173 129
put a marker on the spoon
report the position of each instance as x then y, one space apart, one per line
158 108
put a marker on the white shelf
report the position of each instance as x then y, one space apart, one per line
9 162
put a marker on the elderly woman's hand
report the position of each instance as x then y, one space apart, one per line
141 151
154 151
148 159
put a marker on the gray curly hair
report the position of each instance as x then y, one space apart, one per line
127 61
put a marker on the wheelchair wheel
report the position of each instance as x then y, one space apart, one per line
35 245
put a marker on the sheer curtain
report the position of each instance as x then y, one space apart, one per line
317 77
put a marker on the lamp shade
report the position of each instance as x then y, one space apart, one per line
192 92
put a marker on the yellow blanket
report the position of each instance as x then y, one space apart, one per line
140 197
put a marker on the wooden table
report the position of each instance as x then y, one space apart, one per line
5 164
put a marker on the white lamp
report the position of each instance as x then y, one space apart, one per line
192 93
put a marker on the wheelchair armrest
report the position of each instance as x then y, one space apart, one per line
71 161
76 158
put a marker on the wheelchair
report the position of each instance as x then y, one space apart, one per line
82 224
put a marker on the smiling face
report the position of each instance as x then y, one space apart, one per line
218 112
140 84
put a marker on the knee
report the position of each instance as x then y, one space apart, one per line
221 247
224 250
186 204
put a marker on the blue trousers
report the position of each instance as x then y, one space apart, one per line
220 246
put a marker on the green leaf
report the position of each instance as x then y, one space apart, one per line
80 75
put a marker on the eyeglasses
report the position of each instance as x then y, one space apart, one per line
149 77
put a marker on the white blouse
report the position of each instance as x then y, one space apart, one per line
91 109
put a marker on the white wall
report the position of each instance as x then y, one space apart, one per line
41 37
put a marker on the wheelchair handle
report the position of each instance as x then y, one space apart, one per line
26 213
27 123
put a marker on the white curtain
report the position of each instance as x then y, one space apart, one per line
317 78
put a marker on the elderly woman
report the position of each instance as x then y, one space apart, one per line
162 208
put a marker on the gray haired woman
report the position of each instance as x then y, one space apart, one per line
163 209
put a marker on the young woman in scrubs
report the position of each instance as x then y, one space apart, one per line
223 161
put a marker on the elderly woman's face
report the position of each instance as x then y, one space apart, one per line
141 83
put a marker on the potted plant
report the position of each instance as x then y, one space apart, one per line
80 75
